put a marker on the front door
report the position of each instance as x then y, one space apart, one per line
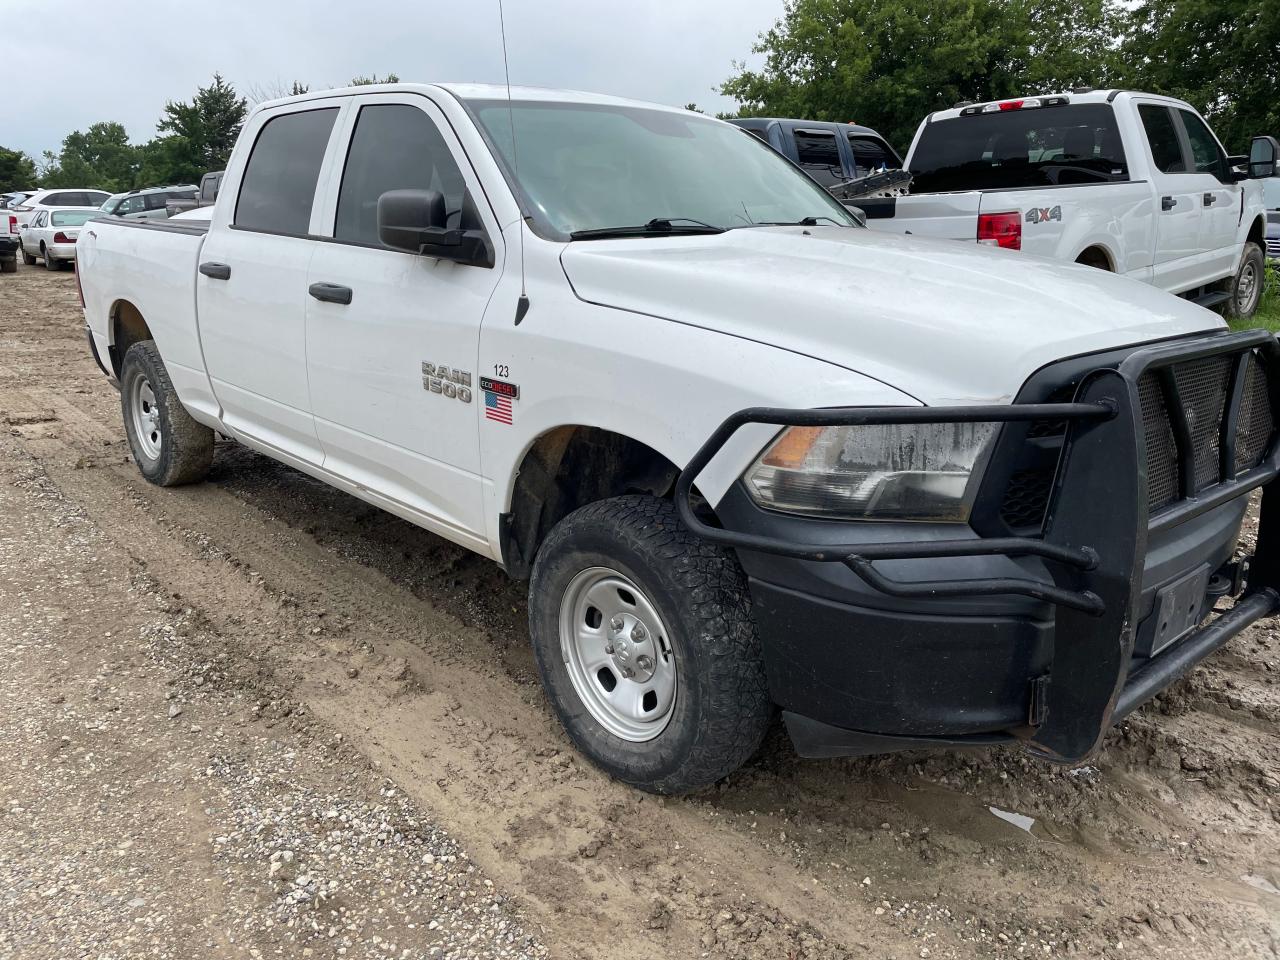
251 290
1177 265
1219 197
394 383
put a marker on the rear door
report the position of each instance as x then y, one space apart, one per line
394 384
1177 264
1220 196
251 292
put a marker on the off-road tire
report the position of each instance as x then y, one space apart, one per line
1253 260
186 450
9 264
722 708
27 258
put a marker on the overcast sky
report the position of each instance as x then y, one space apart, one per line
122 59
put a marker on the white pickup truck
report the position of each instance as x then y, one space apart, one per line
749 453
10 242
1129 182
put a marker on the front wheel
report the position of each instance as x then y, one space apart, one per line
168 446
1246 285
646 646
27 258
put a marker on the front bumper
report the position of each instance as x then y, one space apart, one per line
1047 638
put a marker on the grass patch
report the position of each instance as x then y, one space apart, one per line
1268 315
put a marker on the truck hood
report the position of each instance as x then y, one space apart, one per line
943 321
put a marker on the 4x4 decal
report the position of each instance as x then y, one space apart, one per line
1044 214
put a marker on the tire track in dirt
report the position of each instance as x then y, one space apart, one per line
521 789
466 732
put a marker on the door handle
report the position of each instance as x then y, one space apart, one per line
1210 199
216 271
330 292
1167 203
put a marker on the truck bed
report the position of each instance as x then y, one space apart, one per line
154 263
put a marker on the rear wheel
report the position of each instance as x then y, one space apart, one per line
646 646
9 265
168 446
1246 286
50 261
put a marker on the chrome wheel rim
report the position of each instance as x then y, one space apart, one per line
1247 288
146 419
618 654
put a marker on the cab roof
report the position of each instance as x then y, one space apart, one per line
1065 97
481 91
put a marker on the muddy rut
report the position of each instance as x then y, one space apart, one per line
416 652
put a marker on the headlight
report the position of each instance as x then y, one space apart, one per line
915 471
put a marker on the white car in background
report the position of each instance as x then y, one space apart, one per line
51 235
48 199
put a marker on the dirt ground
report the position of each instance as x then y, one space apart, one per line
256 717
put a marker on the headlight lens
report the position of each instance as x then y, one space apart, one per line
915 471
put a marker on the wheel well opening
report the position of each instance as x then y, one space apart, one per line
567 468
1258 233
127 328
1096 257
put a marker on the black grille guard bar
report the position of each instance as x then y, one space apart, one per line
1094 540
859 557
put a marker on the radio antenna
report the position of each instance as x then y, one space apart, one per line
522 305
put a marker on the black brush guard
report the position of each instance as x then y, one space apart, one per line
1094 537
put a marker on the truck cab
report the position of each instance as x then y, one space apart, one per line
831 153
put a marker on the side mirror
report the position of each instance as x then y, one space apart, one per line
414 221
1262 157
858 214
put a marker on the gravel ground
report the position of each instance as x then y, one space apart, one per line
256 717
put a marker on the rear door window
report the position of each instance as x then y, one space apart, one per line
394 147
280 178
1013 149
1162 136
819 154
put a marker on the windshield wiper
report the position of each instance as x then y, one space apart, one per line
802 222
657 227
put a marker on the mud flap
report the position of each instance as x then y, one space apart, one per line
1097 504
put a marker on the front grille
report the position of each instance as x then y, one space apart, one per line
1201 389
1273 249
1163 479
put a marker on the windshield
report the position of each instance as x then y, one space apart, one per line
72 218
599 166
1032 147
110 204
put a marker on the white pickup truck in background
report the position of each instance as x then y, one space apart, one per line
749 454
1129 182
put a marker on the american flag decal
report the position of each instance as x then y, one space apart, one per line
497 407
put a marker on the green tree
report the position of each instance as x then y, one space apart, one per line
1222 56
199 134
372 79
100 157
888 63
17 171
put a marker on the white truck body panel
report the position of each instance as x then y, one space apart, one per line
1195 242
655 339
